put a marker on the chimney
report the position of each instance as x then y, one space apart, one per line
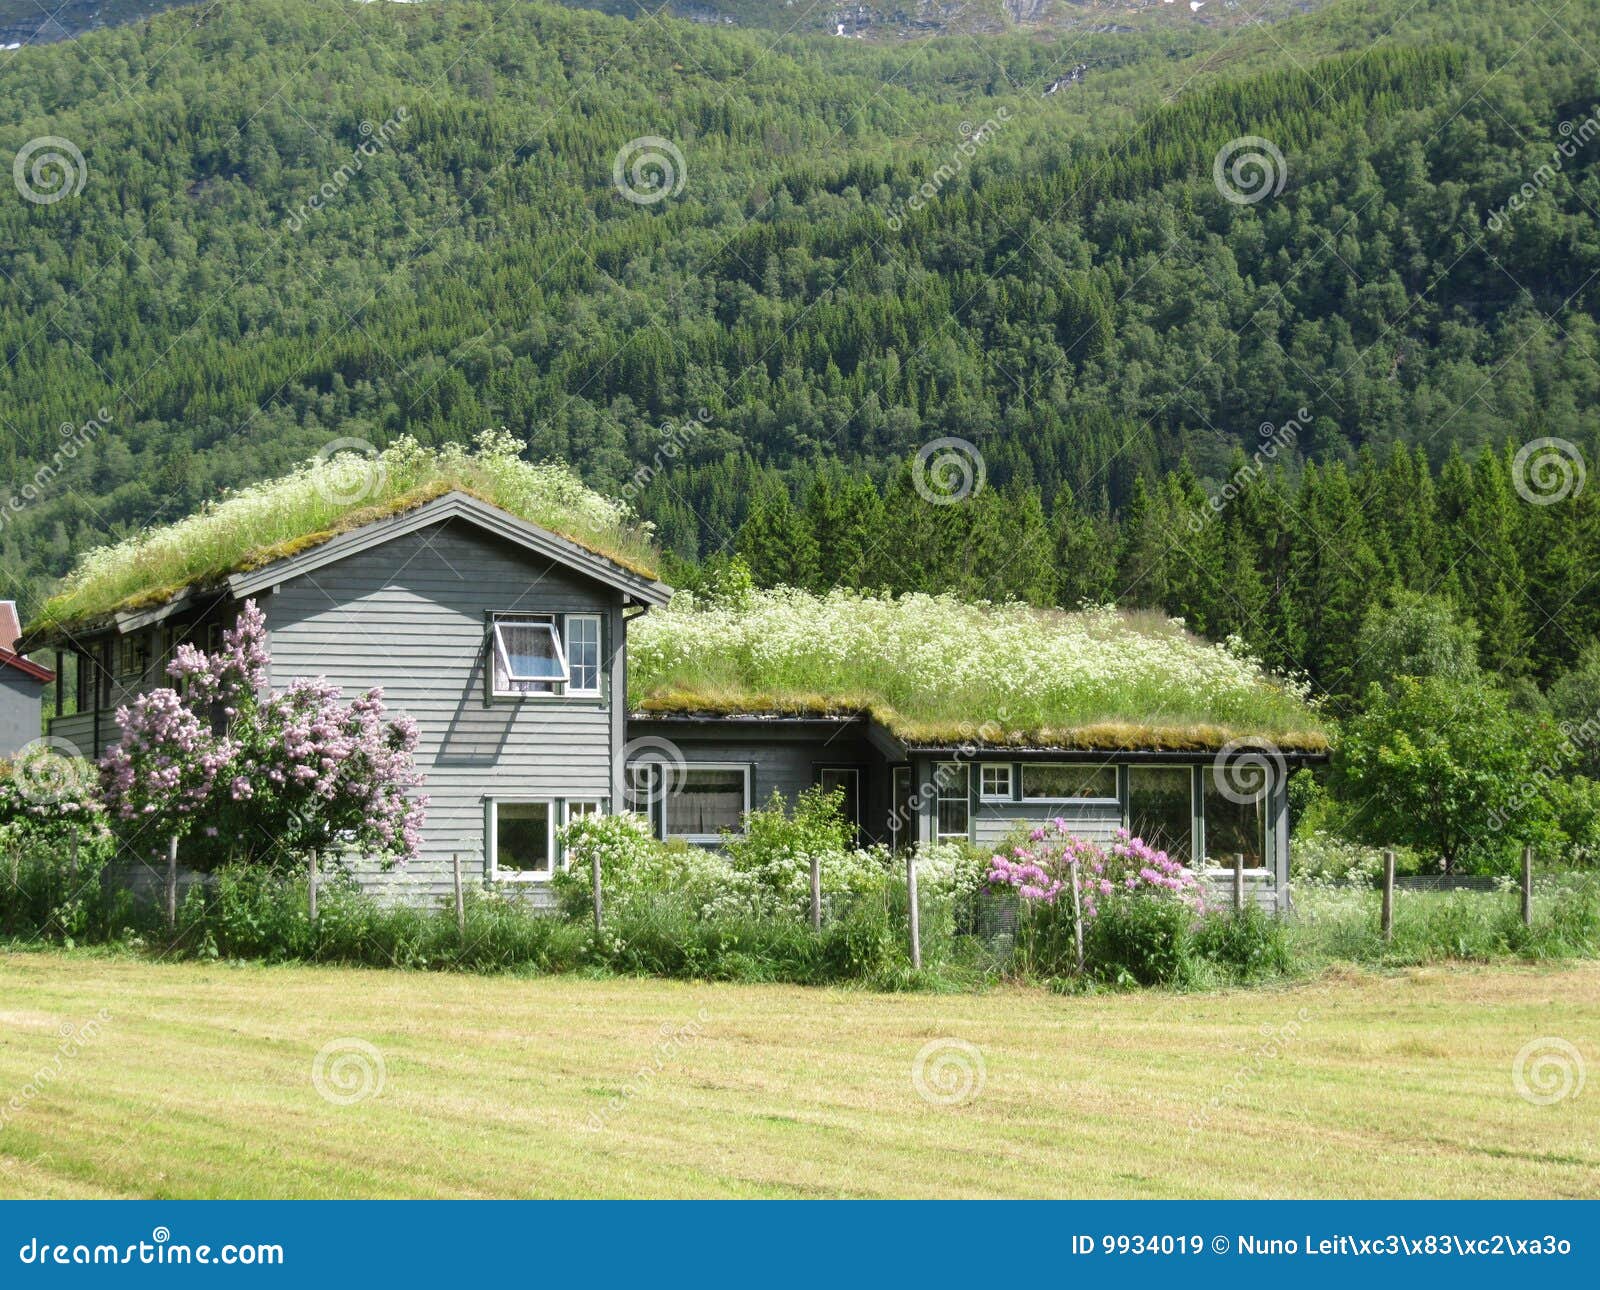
10 627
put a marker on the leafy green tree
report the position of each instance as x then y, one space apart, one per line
1447 767
1415 635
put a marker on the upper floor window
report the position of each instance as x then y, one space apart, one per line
544 654
583 653
528 658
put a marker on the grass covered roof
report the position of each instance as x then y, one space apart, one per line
936 671
325 497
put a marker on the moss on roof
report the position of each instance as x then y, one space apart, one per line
939 672
324 498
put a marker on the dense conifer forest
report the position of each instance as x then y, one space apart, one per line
304 220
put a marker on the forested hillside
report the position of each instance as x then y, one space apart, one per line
301 220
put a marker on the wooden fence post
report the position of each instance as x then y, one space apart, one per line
311 887
914 911
1527 886
461 907
172 883
1388 897
816 893
598 920
1238 883
1077 913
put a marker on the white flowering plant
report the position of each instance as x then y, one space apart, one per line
936 668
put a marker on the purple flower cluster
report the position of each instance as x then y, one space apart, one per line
1043 869
257 775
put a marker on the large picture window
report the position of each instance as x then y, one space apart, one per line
1161 808
1234 827
703 802
1065 782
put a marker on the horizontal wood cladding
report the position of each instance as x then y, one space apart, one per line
409 617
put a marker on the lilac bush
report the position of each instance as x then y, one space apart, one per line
1041 870
245 774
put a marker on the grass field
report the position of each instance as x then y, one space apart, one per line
204 1081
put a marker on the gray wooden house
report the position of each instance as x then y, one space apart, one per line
22 687
503 640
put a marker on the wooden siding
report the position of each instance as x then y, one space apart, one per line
410 616
784 756
993 821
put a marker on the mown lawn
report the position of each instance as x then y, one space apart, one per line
199 1082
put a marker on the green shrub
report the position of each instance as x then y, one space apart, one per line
1141 940
1249 946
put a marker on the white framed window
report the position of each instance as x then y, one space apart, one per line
522 840
1068 782
994 782
703 801
902 811
952 805
577 810
583 653
527 657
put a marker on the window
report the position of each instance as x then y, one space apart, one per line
1066 782
704 801
580 810
522 840
1234 827
952 800
994 783
527 654
1161 809
846 780
583 653
133 653
902 832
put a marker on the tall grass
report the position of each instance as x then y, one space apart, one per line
935 668
325 497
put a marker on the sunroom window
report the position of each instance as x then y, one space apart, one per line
1161 809
527 655
1066 782
703 802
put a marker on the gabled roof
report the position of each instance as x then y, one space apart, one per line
452 505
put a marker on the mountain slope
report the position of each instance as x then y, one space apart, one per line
306 221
